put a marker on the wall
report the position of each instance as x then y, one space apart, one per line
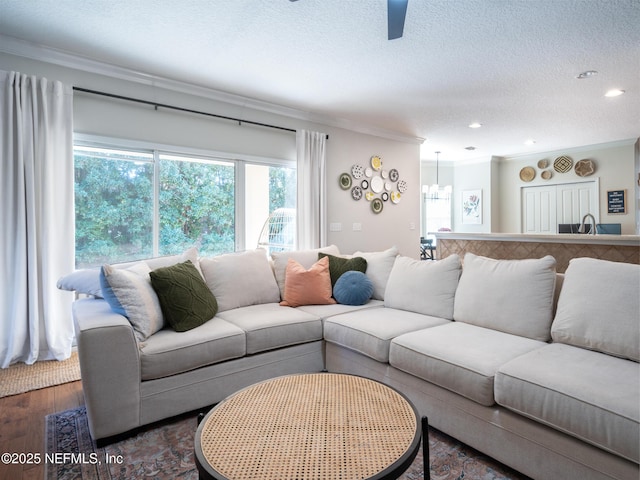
614 168
473 176
397 224
345 147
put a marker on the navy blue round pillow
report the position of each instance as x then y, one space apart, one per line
353 288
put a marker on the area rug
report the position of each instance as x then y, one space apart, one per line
165 451
20 377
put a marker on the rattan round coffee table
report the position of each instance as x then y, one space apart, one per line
309 426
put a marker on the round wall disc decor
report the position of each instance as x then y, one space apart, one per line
345 181
527 174
584 168
562 164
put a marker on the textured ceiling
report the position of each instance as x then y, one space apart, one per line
510 65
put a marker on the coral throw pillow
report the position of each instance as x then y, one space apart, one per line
307 287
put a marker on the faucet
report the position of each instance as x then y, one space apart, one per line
594 230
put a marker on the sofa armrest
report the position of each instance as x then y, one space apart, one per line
110 367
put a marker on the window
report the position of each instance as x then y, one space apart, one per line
138 203
437 208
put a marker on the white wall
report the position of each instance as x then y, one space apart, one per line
107 117
614 168
473 176
397 224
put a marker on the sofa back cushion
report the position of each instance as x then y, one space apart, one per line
423 287
379 265
240 279
306 258
511 296
599 307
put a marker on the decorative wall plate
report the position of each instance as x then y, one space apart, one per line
368 172
376 205
364 184
376 162
394 175
357 171
584 168
388 186
384 196
369 195
543 163
546 175
345 181
384 174
562 164
377 184
402 186
356 193
527 174
395 197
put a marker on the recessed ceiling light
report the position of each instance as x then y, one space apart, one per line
470 148
475 125
587 74
530 141
614 93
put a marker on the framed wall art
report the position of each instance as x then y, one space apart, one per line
616 201
472 207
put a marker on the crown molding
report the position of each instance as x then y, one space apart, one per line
44 53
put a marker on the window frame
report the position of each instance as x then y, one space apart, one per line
239 160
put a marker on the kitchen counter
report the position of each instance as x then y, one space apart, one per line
564 247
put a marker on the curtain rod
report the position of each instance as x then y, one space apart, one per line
188 110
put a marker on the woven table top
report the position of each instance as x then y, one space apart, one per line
313 426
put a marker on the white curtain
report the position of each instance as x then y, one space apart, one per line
312 202
36 218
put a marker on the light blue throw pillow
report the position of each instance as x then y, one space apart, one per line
353 288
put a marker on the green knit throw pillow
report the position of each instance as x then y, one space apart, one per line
184 297
339 265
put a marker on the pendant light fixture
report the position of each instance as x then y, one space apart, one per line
435 191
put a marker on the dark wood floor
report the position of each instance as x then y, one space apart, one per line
22 425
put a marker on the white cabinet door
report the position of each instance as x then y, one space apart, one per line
575 200
545 206
539 210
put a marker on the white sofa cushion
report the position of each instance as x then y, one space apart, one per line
169 353
270 326
370 331
589 395
240 279
423 287
460 357
379 265
512 296
306 258
599 307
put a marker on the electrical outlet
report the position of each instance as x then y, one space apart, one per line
335 227
357 227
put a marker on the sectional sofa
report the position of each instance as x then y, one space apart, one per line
536 369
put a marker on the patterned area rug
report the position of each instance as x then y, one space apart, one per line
20 377
165 451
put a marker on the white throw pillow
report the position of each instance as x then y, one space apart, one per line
512 296
599 307
424 287
306 258
132 287
240 279
379 265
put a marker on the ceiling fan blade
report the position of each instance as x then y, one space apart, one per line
396 13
